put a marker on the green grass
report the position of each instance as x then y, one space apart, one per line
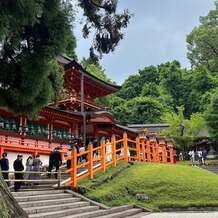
166 185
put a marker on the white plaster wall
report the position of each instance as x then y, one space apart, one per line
12 156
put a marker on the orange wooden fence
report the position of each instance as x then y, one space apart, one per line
140 149
25 145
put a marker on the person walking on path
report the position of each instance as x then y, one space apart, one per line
192 157
4 164
55 160
181 156
69 159
204 155
18 166
37 163
200 157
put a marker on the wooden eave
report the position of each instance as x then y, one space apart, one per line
73 69
68 105
58 114
101 117
119 130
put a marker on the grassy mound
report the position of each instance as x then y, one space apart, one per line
166 185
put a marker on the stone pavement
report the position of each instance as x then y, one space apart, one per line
183 215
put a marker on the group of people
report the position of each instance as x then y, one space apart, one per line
201 155
33 164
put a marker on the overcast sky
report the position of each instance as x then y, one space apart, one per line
156 34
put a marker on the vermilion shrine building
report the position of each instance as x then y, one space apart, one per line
75 116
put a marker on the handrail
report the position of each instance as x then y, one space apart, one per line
58 180
141 150
26 144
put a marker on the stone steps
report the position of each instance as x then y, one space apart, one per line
64 212
44 201
60 203
116 212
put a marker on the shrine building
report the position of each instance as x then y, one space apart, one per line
76 116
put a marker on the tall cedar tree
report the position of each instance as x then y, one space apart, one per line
33 33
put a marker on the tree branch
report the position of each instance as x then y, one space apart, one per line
212 47
97 5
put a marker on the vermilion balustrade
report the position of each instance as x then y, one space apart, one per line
140 149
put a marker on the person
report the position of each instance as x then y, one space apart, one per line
75 145
181 156
200 157
83 157
97 154
29 166
122 153
37 164
192 157
68 159
4 164
95 143
55 160
18 166
204 155
174 157
108 151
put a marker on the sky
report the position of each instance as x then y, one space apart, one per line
156 34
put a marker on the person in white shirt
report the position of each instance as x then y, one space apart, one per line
108 151
192 157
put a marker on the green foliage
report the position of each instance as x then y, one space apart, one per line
138 110
131 88
166 186
95 69
30 78
108 25
211 116
183 131
151 90
171 81
203 41
29 45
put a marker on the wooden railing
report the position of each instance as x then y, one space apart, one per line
142 150
12 180
10 143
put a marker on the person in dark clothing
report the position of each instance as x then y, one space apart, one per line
4 164
55 160
75 145
69 160
95 143
18 166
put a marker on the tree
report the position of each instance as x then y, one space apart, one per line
171 81
30 78
203 41
107 24
131 88
211 116
29 46
201 81
183 131
138 110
